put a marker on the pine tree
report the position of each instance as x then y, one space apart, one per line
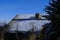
54 12
53 9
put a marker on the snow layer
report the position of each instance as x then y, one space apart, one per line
26 25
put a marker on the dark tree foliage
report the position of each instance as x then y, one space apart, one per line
53 9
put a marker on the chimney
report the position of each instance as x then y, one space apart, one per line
38 16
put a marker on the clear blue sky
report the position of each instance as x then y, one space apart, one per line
9 8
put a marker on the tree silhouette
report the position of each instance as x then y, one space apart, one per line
53 9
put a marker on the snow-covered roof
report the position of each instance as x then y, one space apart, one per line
27 16
25 24
23 16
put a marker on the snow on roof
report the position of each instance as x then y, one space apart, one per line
25 25
27 16
23 16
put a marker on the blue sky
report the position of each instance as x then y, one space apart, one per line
9 8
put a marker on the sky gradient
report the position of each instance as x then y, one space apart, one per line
9 8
